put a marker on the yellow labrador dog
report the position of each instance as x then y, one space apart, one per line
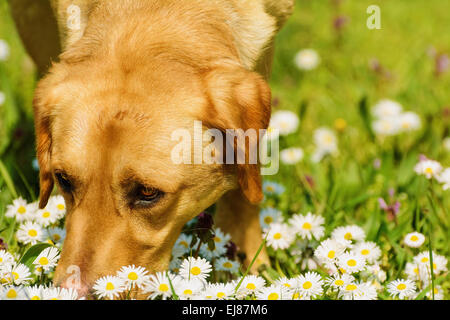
132 72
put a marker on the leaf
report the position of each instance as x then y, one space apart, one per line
32 253
364 113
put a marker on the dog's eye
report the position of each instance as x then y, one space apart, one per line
64 182
146 196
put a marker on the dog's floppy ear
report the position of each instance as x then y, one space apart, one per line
42 106
240 99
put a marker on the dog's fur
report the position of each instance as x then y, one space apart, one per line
136 71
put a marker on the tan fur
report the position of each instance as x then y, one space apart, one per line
135 72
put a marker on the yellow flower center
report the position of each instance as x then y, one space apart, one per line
56 237
339 282
348 236
15 275
277 236
287 285
217 239
351 262
22 210
273 296
220 295
109 286
270 189
307 285
184 244
12 294
268 220
414 238
132 276
43 261
195 271
424 260
32 233
401 286
187 292
35 298
331 254
350 287
307 226
251 286
60 206
416 270
429 170
46 214
163 287
228 265
365 252
296 296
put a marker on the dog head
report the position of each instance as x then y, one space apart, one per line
104 120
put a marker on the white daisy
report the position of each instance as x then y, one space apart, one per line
428 168
188 289
286 122
225 264
348 233
423 261
30 233
47 259
365 291
21 210
221 238
402 288
288 283
109 287
56 236
46 216
415 271
250 285
12 293
291 155
414 239
34 292
386 126
369 250
351 262
273 188
273 292
338 282
328 251
307 59
58 293
279 236
387 108
325 140
444 178
309 284
195 268
308 226
409 121
5 258
349 291
159 285
438 293
16 274
184 241
4 50
133 276
269 215
206 252
58 204
219 291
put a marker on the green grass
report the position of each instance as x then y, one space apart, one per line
346 187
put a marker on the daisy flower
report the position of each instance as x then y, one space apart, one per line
369 250
349 291
402 288
133 276
291 155
30 232
4 50
58 204
279 236
221 238
5 258
267 216
288 283
219 291
365 291
423 261
159 285
351 262
338 282
250 285
438 293
309 284
56 236
444 178
109 287
16 274
21 210
387 108
188 289
307 59
415 272
414 239
308 226
46 216
34 292
57 293
12 293
47 259
328 251
428 168
225 264
273 292
386 126
286 122
409 121
184 241
195 268
348 233
273 188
